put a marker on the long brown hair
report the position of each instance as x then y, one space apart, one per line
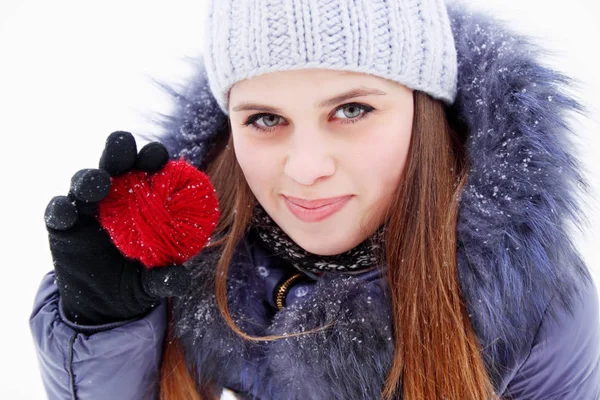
437 354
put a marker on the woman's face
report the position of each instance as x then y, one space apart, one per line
313 134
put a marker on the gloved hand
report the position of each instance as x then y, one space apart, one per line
96 282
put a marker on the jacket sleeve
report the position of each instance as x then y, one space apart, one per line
564 361
112 361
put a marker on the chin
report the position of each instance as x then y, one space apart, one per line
324 247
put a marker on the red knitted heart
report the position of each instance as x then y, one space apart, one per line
161 218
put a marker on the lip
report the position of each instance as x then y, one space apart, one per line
314 203
315 210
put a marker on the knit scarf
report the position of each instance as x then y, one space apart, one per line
357 260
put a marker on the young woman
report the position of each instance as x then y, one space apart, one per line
395 181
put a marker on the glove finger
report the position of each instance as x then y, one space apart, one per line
119 154
61 214
161 282
152 157
86 210
89 185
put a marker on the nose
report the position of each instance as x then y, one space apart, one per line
309 159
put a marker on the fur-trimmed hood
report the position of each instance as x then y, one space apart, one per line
514 251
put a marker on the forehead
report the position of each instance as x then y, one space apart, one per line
320 77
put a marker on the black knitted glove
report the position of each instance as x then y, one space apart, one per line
96 282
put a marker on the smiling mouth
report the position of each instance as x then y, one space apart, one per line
326 208
315 204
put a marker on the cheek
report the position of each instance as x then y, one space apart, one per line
257 163
382 159
380 167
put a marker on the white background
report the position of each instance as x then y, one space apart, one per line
71 72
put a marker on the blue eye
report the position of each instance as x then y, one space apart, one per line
269 120
356 110
353 113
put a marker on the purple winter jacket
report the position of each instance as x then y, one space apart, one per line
121 360
529 295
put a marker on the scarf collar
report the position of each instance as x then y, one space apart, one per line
363 257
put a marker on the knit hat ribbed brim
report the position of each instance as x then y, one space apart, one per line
407 41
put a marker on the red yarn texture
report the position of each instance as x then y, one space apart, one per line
162 218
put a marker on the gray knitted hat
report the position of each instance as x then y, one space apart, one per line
407 41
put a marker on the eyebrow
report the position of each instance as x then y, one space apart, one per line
325 103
